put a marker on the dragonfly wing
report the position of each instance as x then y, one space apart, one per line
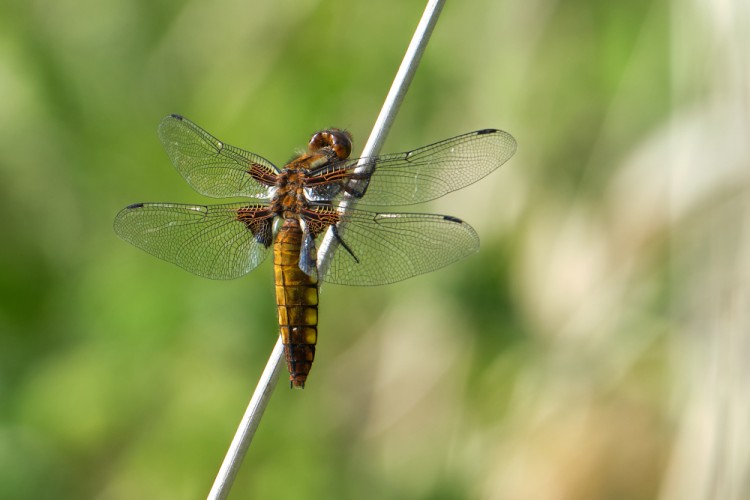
426 173
214 241
381 248
212 167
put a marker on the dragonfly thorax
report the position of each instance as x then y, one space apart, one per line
289 197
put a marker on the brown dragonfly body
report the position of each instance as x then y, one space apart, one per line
228 241
297 302
297 289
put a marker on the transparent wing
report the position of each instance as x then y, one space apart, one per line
380 248
425 173
211 167
215 241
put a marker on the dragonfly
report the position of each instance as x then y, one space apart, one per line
287 211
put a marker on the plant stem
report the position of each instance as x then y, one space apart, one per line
250 421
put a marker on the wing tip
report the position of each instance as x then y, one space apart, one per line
511 142
509 137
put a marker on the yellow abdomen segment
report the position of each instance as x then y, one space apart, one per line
297 302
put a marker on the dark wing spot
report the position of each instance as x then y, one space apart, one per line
176 116
486 131
134 205
258 221
450 218
264 233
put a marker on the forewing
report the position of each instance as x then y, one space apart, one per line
428 172
380 248
214 241
212 167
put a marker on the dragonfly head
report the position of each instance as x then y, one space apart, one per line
337 140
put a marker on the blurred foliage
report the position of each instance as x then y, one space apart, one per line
564 361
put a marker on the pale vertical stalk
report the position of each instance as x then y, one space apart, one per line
249 424
387 114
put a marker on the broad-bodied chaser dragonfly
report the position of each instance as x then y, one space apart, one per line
228 241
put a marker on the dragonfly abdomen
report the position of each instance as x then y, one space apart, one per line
297 302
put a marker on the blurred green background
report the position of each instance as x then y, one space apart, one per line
595 348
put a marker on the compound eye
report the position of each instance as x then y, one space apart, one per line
340 141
